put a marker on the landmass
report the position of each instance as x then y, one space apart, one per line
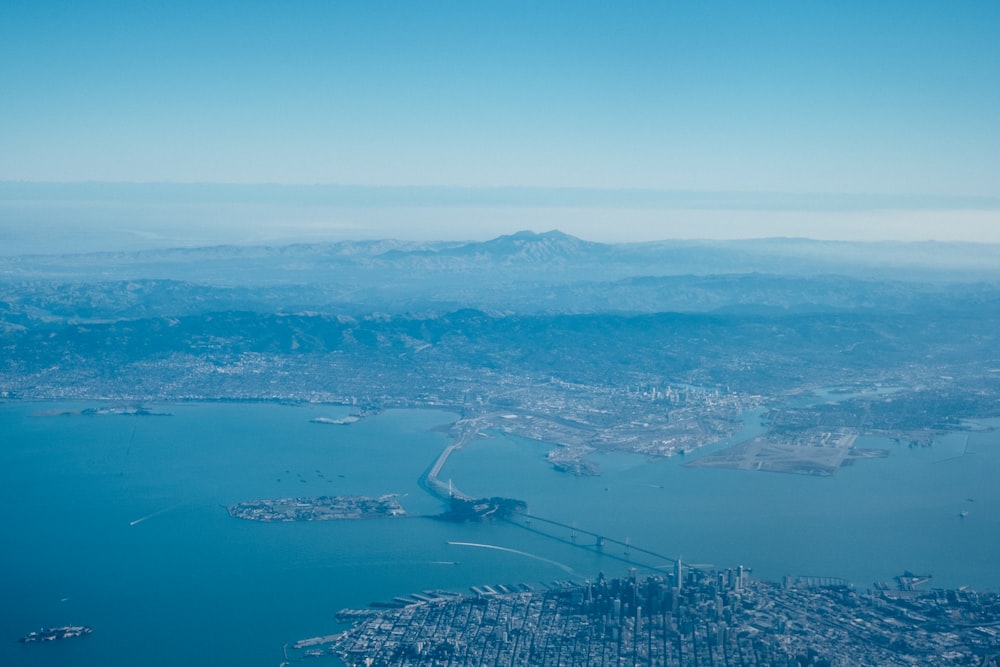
321 508
820 455
594 348
701 617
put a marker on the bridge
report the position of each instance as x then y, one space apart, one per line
467 430
597 541
429 480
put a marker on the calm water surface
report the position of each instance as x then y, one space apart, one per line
118 522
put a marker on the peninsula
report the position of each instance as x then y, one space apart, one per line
687 618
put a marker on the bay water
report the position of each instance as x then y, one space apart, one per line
119 522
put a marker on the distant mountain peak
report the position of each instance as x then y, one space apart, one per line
527 234
524 250
530 246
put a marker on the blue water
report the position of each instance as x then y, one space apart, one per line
118 523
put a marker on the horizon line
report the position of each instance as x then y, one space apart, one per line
341 195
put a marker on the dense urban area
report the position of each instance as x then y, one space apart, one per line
692 617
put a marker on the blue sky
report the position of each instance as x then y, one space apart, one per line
895 99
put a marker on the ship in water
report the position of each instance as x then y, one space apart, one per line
52 634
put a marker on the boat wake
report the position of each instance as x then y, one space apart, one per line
157 513
565 568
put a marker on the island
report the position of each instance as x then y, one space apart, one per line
343 421
464 510
113 409
319 508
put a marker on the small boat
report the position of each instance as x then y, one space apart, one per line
52 634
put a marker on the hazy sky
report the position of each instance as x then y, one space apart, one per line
898 99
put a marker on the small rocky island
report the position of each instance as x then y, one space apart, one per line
343 421
320 508
462 510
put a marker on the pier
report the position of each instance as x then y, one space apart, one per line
806 581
